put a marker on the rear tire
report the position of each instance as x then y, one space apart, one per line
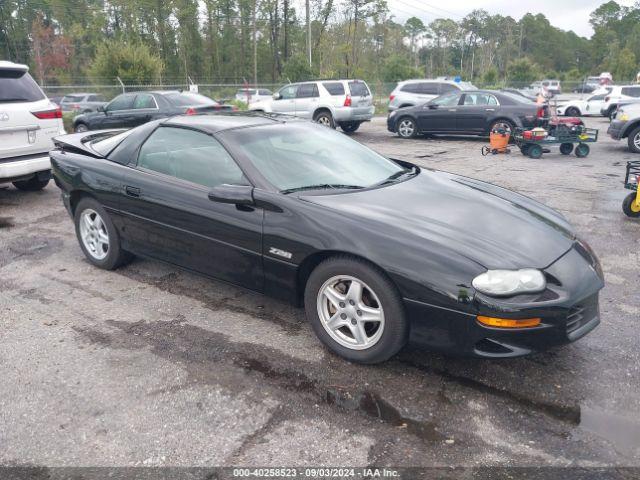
572 112
349 127
81 127
325 118
98 236
349 334
634 140
34 184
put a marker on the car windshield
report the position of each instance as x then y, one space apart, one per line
307 156
72 98
188 99
104 145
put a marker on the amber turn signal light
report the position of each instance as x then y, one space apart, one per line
508 322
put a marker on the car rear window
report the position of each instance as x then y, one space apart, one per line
18 86
104 145
410 88
246 92
358 89
188 99
334 88
73 98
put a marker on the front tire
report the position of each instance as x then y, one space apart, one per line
634 140
98 236
355 310
572 112
80 128
407 127
34 184
629 206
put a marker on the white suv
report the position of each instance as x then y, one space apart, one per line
417 92
252 95
619 95
28 122
346 103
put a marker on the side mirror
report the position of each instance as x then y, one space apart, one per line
432 106
277 96
101 108
234 194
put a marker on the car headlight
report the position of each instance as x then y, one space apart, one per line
503 283
622 116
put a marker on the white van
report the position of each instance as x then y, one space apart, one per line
28 122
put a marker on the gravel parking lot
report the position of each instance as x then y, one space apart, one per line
152 366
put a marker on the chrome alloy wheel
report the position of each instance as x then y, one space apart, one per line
636 141
324 120
406 128
350 312
94 235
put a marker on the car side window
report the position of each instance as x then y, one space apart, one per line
307 90
121 102
631 91
429 88
410 88
144 100
288 92
596 97
446 88
479 99
334 88
264 92
447 100
189 155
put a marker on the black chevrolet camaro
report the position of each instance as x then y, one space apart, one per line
378 251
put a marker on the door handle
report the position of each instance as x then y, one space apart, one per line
132 191
452 109
489 109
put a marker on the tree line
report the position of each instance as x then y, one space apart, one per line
267 41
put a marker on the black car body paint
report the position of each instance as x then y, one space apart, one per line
431 233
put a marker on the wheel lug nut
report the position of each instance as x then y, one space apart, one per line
351 302
343 316
353 321
342 305
359 312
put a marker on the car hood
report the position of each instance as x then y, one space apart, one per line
494 227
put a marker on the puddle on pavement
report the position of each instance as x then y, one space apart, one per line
623 433
6 222
373 405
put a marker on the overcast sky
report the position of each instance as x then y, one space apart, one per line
564 14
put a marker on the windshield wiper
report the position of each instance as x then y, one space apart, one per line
320 186
398 175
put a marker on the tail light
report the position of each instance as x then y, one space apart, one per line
540 113
48 114
190 111
606 99
347 101
391 97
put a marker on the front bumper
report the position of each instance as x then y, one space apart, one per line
12 169
616 128
568 310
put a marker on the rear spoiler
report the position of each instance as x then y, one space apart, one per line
81 142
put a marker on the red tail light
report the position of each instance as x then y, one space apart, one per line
391 97
606 99
48 114
540 113
347 101
190 111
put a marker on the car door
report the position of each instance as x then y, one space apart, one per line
285 100
307 97
144 109
169 216
439 115
475 111
594 104
117 114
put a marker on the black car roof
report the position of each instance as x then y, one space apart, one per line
219 122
